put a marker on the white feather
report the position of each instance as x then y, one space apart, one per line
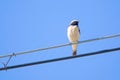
73 36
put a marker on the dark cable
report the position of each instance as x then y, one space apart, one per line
59 59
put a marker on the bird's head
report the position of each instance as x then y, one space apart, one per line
74 22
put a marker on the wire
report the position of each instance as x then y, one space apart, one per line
59 59
52 47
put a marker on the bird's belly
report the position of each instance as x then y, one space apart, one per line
73 34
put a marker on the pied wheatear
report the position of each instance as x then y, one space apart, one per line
73 33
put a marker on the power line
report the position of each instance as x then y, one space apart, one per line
59 59
57 46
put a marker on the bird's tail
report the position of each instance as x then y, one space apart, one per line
74 53
74 49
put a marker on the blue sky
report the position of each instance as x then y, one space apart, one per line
32 24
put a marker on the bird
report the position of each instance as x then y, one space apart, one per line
73 33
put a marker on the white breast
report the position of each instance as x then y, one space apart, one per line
73 33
